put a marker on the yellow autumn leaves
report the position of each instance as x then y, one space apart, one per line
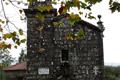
76 36
14 37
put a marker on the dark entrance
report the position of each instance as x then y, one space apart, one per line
64 55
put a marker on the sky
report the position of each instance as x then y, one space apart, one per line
111 39
111 22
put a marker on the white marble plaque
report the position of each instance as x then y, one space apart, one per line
43 71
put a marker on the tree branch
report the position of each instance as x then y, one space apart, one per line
12 2
7 20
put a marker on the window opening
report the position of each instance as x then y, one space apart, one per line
64 55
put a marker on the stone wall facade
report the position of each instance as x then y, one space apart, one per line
51 56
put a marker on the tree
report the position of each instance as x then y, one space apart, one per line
23 56
66 5
5 58
112 73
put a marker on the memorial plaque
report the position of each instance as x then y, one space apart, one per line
43 71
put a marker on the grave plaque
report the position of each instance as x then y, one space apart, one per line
43 71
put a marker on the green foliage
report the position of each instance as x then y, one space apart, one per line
92 1
112 73
40 17
15 38
1 21
80 34
30 1
4 45
114 6
9 35
23 41
73 18
23 56
43 8
70 36
74 3
5 58
20 11
76 36
90 16
20 31
59 24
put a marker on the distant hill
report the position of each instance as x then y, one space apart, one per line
112 64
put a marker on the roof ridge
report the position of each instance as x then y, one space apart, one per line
7 68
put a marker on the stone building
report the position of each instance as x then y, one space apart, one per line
63 52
